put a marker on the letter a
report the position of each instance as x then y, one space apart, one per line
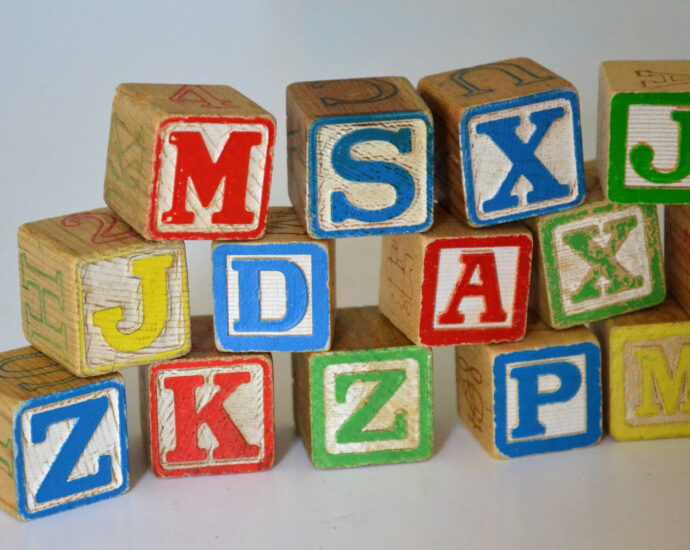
154 304
483 263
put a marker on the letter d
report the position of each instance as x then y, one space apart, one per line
249 289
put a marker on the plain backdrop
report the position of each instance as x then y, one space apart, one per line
60 63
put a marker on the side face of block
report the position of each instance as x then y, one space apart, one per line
211 416
509 142
677 253
371 407
68 435
369 151
648 130
548 399
601 260
475 289
522 157
648 381
212 156
273 296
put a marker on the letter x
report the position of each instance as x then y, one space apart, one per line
525 163
602 259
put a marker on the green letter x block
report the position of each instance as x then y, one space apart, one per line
644 131
369 400
597 260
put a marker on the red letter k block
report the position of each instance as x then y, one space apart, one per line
231 442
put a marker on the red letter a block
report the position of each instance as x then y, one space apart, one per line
189 162
454 285
210 413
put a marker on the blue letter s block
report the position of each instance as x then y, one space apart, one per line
73 448
547 400
370 174
271 297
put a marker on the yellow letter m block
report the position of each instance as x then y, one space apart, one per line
649 380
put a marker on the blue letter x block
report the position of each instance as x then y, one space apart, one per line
522 157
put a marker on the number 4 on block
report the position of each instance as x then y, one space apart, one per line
189 162
63 439
367 401
209 412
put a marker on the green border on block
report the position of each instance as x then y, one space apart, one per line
656 193
558 316
323 459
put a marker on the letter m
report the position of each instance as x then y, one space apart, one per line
660 386
224 179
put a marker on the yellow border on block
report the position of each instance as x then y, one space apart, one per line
182 350
618 427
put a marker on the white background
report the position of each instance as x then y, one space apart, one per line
60 64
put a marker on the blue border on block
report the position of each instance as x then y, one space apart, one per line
54 398
468 179
557 443
313 221
320 297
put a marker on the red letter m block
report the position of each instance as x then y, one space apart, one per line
212 178
213 416
475 290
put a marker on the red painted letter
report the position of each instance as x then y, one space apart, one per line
488 289
194 163
231 442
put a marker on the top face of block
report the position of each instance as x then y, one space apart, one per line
520 146
648 129
69 434
369 156
211 152
547 399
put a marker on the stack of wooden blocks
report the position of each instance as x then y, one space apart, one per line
498 146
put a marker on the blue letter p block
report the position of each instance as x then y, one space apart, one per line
548 399
272 296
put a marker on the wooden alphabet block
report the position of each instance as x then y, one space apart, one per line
209 412
456 285
367 401
539 395
189 162
508 141
97 297
597 260
276 294
644 131
63 439
677 251
360 157
648 355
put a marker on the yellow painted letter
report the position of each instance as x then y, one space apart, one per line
655 372
154 303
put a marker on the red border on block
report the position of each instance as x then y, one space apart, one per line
431 336
199 235
269 434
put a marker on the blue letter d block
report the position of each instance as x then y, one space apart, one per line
547 400
271 297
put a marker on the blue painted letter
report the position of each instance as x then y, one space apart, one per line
249 284
368 171
530 398
525 163
88 415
